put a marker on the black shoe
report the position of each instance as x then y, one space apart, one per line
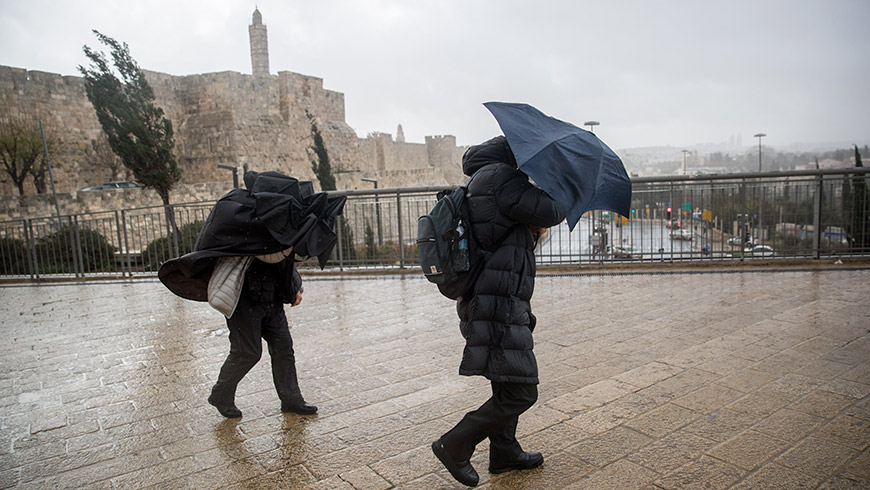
461 470
301 408
524 461
228 410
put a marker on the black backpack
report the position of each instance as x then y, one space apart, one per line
449 255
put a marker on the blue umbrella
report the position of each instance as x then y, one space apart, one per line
571 164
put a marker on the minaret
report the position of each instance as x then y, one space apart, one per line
400 134
259 45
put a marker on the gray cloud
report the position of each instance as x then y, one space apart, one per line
654 73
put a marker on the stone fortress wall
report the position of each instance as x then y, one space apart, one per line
257 121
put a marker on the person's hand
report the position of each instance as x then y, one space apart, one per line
298 298
537 231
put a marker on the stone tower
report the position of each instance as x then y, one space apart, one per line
400 134
259 45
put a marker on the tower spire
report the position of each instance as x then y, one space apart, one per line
400 134
259 45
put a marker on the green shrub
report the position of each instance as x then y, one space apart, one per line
56 255
158 250
13 256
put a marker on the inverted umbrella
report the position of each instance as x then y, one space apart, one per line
571 164
275 213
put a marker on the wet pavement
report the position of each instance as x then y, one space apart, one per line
702 380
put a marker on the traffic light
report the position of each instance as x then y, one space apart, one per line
669 212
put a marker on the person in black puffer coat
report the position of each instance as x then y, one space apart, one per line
507 215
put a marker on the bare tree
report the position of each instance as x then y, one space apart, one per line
21 149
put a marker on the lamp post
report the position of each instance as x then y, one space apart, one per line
592 125
759 136
377 209
50 176
235 171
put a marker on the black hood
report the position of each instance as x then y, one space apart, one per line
491 151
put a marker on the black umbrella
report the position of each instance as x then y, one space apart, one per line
571 164
274 213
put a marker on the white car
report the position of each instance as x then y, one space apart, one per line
759 251
736 241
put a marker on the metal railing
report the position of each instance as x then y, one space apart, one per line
736 217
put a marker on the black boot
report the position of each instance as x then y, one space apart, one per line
461 470
525 461
302 408
227 409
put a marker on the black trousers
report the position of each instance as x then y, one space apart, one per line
252 323
496 419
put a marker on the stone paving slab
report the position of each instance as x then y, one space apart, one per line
654 381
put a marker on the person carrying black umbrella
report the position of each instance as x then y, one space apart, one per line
507 215
269 282
243 266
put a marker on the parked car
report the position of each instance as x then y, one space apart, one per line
115 184
760 251
755 251
121 184
626 252
737 241
681 235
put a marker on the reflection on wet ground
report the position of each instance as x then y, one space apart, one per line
711 380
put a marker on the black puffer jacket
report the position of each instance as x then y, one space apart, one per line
497 321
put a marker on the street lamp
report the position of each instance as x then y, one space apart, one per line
592 125
759 136
235 173
377 209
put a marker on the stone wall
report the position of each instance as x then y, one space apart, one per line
82 202
68 118
226 118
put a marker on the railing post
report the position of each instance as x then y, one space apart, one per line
340 244
118 231
77 246
817 218
671 218
174 248
30 242
126 256
401 235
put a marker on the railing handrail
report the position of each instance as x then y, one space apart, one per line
751 175
391 190
438 188
713 210
666 179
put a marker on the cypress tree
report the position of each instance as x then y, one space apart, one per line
320 162
136 129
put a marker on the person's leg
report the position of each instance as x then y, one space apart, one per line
276 332
497 418
246 348
505 453
503 441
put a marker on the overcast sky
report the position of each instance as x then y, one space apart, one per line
653 72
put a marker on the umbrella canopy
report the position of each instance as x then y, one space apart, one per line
571 164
